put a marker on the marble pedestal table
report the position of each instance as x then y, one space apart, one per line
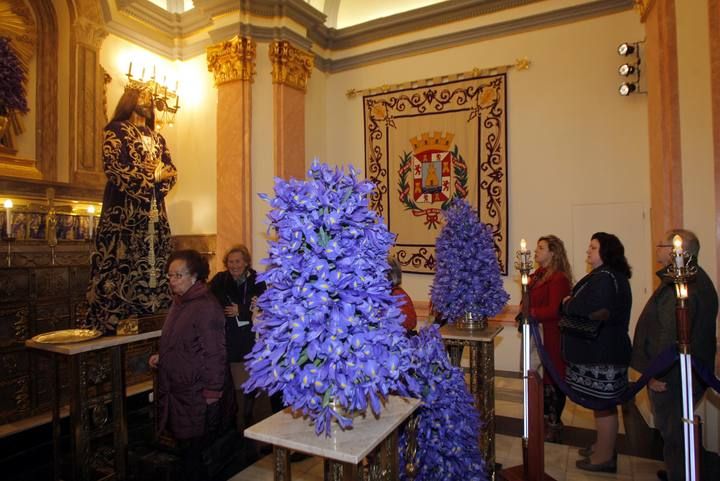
482 377
344 451
93 387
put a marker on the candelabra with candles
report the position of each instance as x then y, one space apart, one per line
681 270
161 96
8 236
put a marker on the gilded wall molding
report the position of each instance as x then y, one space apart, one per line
232 59
290 65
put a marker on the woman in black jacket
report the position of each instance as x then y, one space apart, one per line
237 288
597 368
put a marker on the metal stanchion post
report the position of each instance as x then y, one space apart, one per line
681 270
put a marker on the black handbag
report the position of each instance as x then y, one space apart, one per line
580 326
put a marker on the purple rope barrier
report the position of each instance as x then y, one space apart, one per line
658 365
706 374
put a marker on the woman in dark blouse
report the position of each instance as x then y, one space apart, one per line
597 368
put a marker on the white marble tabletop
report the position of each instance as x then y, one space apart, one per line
349 446
452 331
103 342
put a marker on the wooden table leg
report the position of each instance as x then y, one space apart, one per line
78 423
281 458
120 435
55 399
482 375
338 471
455 351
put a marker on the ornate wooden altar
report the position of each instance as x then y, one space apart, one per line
97 386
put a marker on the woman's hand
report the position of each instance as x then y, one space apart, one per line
232 310
154 361
657 386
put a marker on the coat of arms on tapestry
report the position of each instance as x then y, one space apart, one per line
426 145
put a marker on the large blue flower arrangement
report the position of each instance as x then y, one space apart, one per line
467 278
330 335
448 424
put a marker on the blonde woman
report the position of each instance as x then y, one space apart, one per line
549 285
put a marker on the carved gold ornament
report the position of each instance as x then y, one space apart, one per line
291 66
233 59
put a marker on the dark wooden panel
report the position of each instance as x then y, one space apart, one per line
136 361
14 285
14 324
52 282
14 363
52 316
14 399
41 382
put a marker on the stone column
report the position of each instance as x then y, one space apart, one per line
291 68
233 65
661 69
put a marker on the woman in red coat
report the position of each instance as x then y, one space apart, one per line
407 307
196 399
549 285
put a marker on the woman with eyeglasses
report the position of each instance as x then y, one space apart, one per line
196 399
237 289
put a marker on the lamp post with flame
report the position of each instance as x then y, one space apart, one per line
524 264
680 270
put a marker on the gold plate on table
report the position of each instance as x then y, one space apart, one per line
67 336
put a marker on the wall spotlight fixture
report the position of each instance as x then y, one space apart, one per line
626 49
626 88
626 69
630 69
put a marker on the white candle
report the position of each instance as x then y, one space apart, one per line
8 204
523 245
524 279
678 251
91 220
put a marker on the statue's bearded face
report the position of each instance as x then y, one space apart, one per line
144 104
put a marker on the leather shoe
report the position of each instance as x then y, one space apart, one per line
586 452
606 467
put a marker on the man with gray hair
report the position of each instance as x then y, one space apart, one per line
656 330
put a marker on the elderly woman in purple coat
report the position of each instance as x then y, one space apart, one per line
196 398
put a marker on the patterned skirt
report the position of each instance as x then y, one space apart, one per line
601 381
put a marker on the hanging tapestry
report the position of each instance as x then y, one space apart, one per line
426 145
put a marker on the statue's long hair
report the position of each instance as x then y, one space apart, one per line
126 106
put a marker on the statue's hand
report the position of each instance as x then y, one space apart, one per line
163 172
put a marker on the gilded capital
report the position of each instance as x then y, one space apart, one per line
89 32
290 65
643 7
232 59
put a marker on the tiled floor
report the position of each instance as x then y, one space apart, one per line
559 459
